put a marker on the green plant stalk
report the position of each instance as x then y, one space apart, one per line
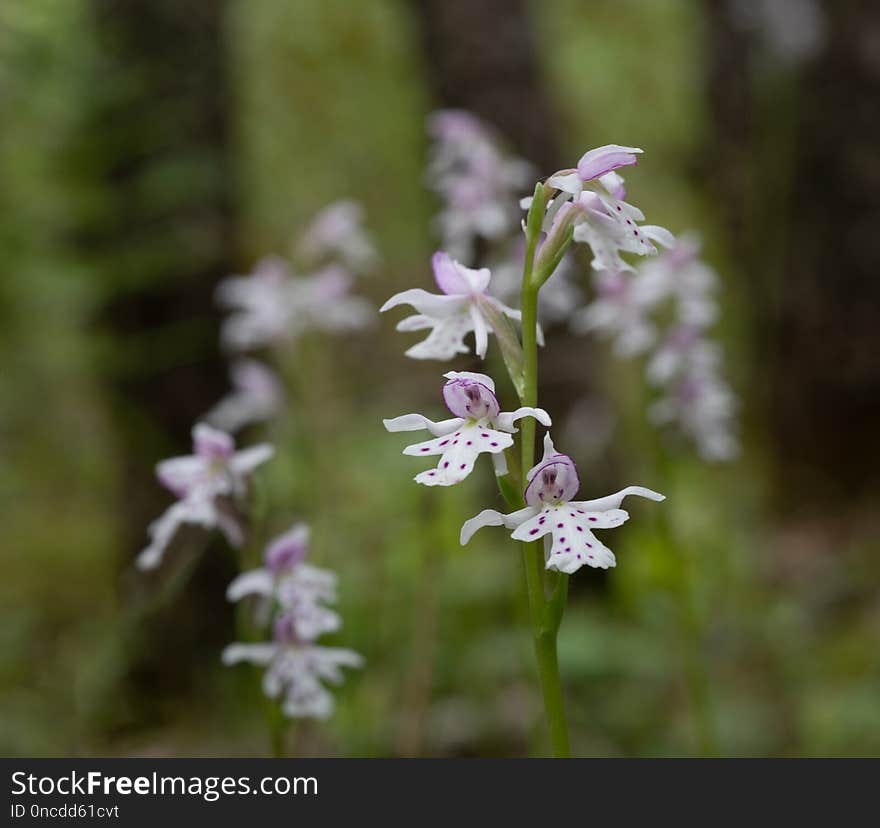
546 616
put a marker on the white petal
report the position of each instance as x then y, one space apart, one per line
416 422
445 340
481 332
260 654
483 379
613 501
254 582
489 517
419 322
504 421
568 181
459 452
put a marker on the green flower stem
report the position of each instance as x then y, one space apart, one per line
546 616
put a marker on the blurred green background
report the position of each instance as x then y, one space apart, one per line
149 148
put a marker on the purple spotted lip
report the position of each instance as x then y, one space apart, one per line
553 481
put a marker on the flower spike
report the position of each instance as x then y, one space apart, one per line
551 510
479 426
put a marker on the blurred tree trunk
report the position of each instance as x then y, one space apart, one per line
797 146
160 233
481 56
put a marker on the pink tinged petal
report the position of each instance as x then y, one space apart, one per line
231 528
459 452
287 550
489 517
658 234
255 582
211 443
416 422
447 276
601 160
470 398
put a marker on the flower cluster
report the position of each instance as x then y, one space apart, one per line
477 183
210 486
585 204
290 597
682 359
480 187
271 307
551 510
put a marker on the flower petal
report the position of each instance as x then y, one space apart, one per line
489 517
245 461
254 582
459 452
505 420
445 340
481 332
416 422
613 501
260 654
429 304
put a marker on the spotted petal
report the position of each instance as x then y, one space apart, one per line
459 452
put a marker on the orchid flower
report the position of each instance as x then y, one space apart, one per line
558 297
261 309
272 305
551 486
323 301
256 396
620 310
287 581
208 484
337 232
479 426
450 316
295 669
478 184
